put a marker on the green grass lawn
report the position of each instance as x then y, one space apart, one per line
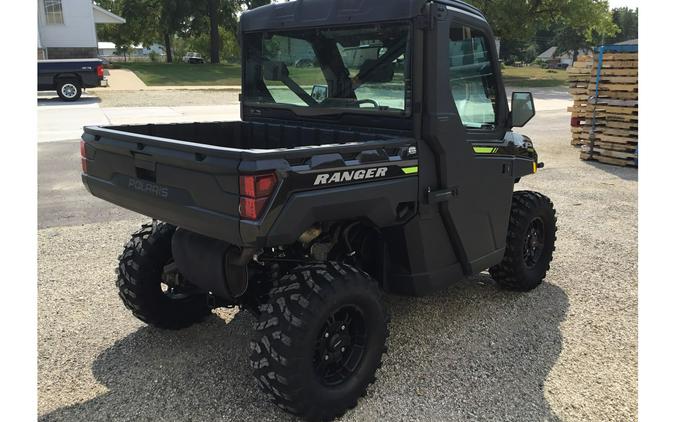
533 76
228 74
185 74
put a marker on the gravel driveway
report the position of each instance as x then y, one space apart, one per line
566 351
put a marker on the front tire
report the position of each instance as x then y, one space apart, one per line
530 243
142 289
69 89
319 340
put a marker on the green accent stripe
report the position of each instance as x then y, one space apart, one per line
485 150
410 170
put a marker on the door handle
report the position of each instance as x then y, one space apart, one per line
443 195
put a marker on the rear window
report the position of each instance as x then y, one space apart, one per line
363 68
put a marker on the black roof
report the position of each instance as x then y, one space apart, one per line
311 13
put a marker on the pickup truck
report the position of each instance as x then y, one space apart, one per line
344 178
69 76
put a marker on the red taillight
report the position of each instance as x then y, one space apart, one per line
99 71
255 186
83 156
254 191
251 208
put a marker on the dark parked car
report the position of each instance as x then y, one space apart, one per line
69 77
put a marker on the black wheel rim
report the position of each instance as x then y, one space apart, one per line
534 242
169 290
340 345
173 293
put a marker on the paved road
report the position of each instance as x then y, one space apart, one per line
59 121
566 351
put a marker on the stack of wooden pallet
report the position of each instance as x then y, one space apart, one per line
608 125
579 76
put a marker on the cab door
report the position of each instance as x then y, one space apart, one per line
466 122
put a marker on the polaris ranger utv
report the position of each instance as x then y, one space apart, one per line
374 153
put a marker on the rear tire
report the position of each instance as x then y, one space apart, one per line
530 243
139 281
319 340
69 89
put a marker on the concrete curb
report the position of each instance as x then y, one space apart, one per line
175 88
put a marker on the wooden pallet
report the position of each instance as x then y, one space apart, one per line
609 117
616 95
619 72
622 125
633 80
633 111
630 162
628 133
610 146
616 139
621 57
604 86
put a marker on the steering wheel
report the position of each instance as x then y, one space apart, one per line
367 101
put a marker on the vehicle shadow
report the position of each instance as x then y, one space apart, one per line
473 352
56 101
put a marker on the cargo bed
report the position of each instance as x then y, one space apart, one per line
189 174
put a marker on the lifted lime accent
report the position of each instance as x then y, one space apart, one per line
485 150
410 170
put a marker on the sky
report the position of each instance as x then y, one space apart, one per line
623 3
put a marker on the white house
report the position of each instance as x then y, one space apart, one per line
552 56
109 49
67 28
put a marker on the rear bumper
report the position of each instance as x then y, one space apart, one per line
193 218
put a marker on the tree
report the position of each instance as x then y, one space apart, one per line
141 23
627 21
583 29
534 15
174 16
210 17
148 21
540 24
214 45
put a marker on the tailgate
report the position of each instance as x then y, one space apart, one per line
189 185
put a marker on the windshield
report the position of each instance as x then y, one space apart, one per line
358 69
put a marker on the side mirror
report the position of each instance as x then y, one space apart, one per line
319 93
275 71
522 108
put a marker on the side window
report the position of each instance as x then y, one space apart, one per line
472 79
53 12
